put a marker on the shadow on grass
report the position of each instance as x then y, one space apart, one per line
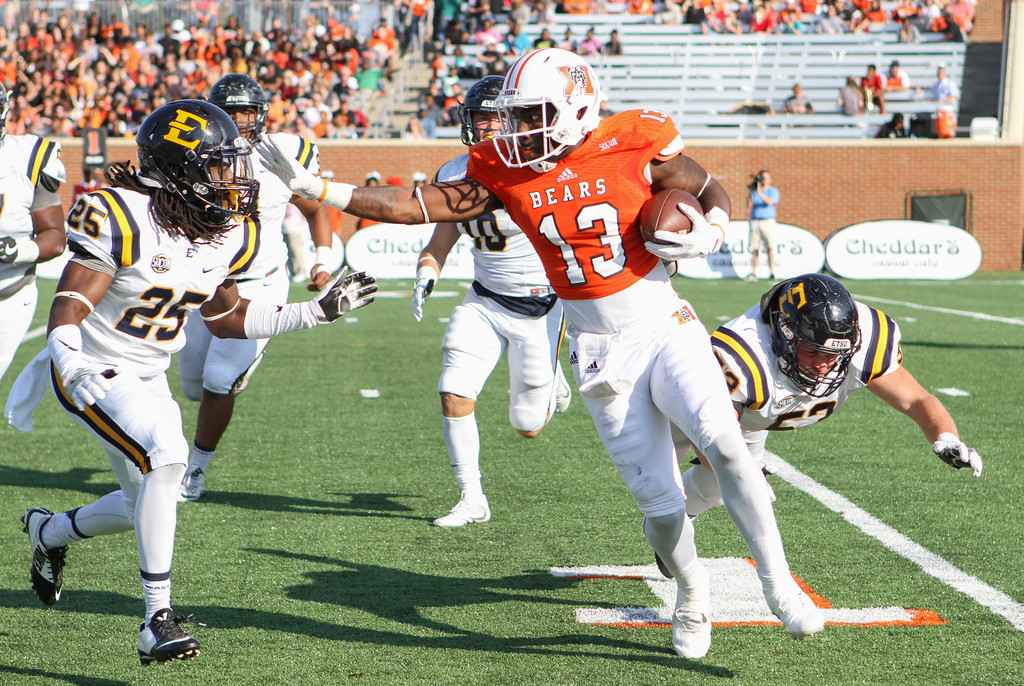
356 504
71 480
394 596
56 678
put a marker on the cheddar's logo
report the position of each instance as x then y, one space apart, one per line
181 125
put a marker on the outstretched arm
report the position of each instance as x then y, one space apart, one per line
229 316
902 392
452 201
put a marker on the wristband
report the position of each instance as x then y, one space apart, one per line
337 195
324 255
427 273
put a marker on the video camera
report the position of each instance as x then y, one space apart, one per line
758 180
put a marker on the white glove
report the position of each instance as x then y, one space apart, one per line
953 452
300 180
86 382
702 240
425 279
18 251
348 292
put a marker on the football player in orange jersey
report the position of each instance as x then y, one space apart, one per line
642 359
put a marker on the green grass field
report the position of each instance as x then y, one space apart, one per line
312 560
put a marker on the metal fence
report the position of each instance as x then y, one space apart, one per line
362 15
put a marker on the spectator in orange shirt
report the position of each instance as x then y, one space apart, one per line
641 7
577 6
875 13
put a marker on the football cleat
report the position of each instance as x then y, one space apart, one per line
798 613
47 563
163 639
192 486
563 392
465 513
691 621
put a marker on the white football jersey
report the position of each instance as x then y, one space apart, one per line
504 260
158 278
765 397
23 159
273 200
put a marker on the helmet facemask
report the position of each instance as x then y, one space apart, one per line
816 315
250 120
565 89
218 184
810 380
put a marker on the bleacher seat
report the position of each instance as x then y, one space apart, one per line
701 79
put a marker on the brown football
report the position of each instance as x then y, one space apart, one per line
661 213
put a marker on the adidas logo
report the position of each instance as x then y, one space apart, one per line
593 368
567 175
574 358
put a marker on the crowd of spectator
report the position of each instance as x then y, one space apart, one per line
67 77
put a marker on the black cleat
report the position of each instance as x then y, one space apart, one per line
47 563
163 639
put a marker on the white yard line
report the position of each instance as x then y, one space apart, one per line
944 310
996 601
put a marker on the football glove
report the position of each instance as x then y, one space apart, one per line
425 279
348 292
299 180
85 382
702 240
14 251
953 452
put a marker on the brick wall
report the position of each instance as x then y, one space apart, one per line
823 188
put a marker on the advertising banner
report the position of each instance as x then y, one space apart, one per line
390 251
902 249
797 251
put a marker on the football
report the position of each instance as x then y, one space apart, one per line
661 213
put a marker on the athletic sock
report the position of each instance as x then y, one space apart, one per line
463 442
200 458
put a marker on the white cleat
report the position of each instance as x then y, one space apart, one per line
192 486
691 621
798 613
563 391
465 513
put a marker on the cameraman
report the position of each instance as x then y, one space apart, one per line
763 204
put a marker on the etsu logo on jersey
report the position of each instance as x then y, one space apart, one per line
606 145
569 192
160 264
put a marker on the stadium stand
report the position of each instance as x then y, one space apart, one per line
706 82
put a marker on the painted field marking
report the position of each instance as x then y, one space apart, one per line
944 310
933 565
736 599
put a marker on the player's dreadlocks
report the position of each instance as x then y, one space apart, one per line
168 210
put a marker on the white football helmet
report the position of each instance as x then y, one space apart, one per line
550 76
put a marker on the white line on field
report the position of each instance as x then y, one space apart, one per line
996 601
34 333
944 310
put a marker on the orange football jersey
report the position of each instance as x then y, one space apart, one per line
582 215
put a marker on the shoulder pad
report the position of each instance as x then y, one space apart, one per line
45 166
102 224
